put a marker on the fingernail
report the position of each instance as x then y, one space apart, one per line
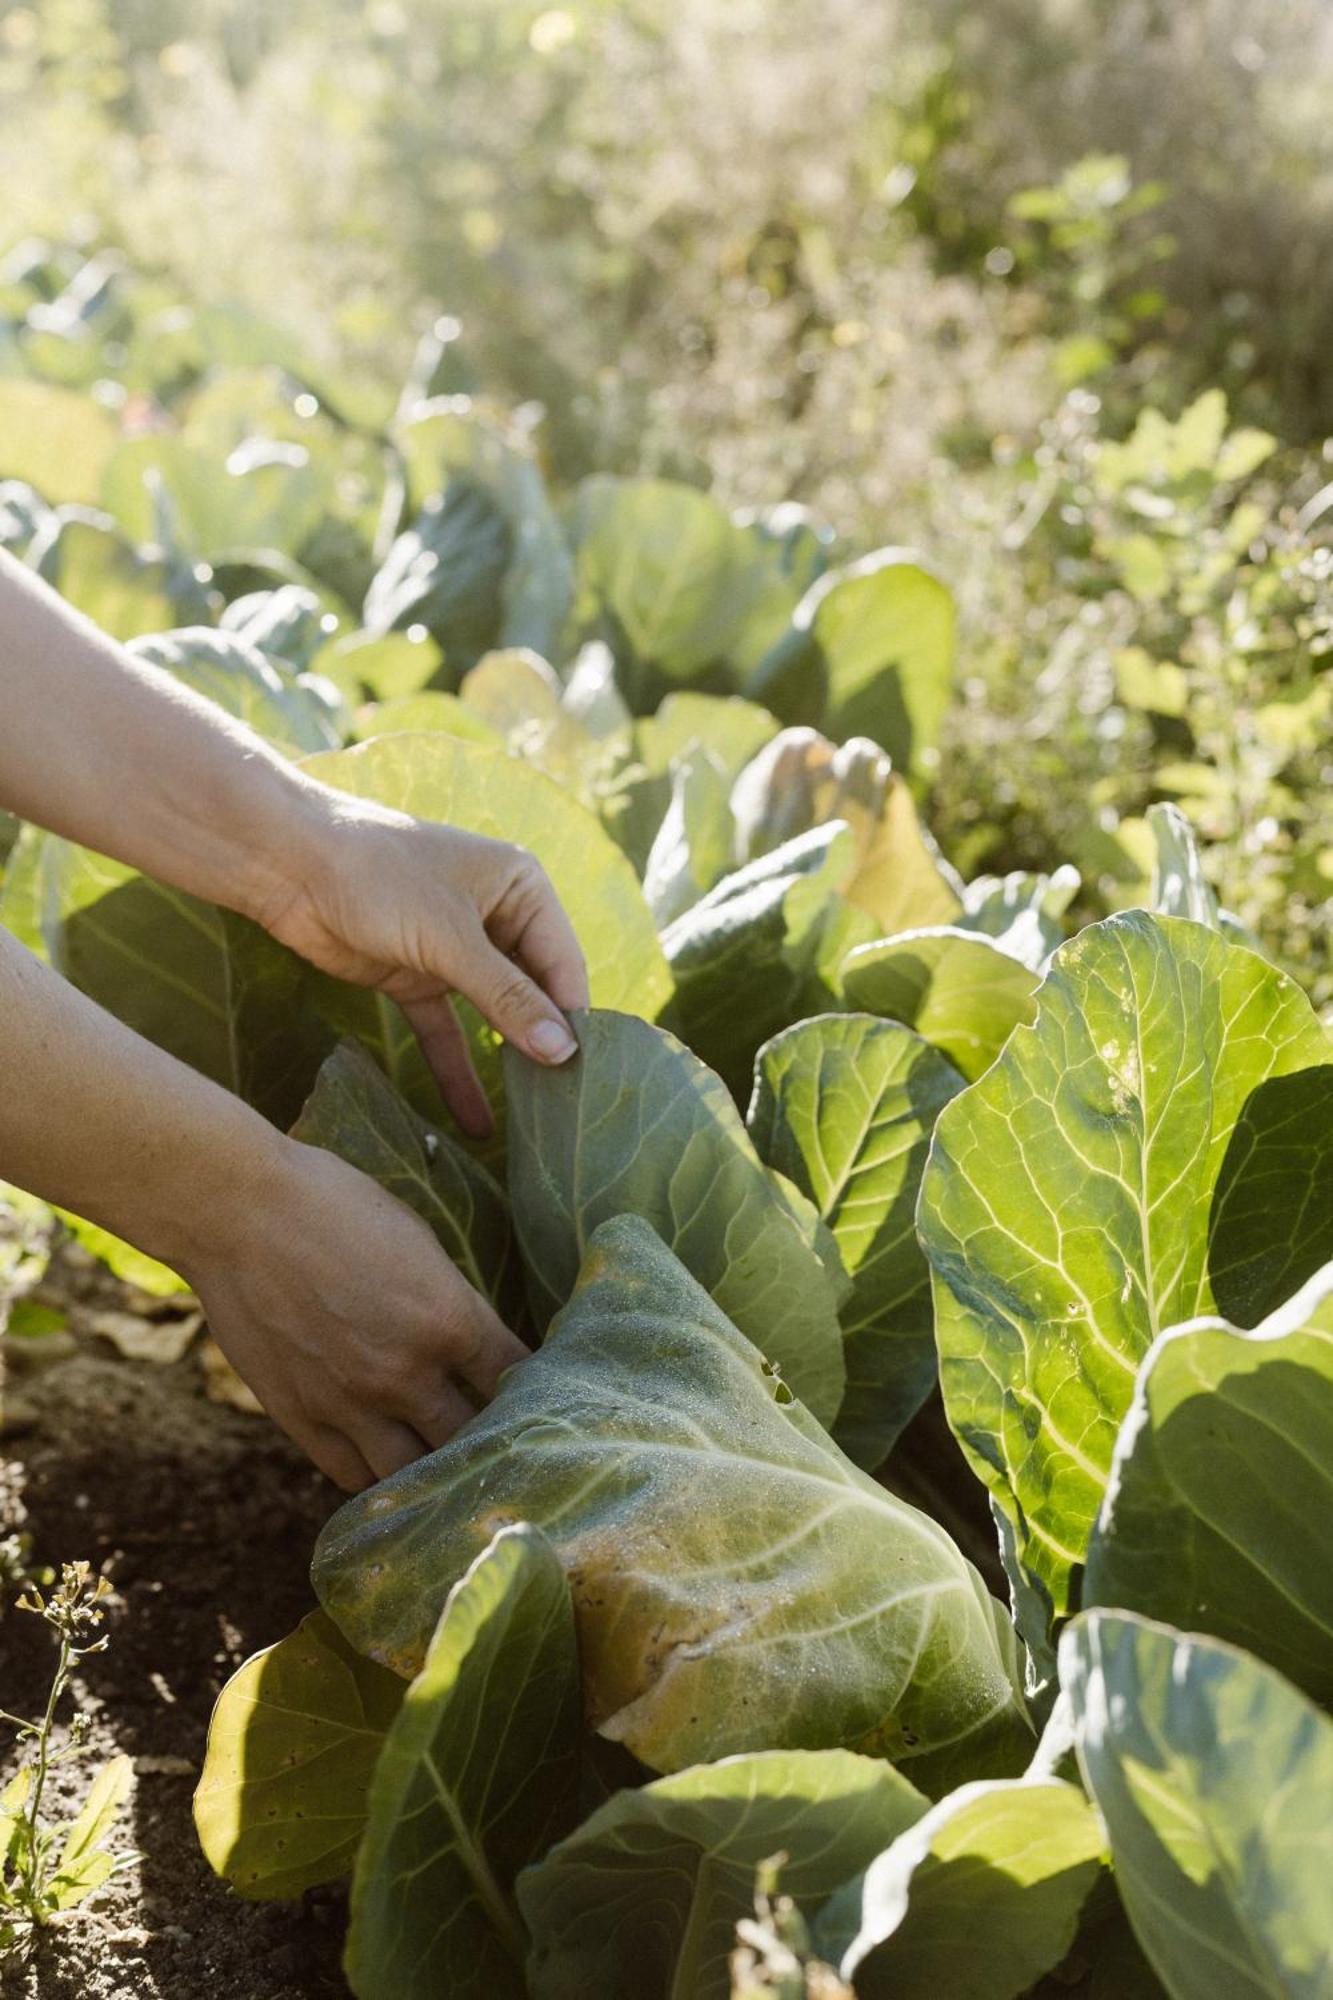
551 1041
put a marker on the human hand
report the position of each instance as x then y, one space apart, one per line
340 1310
421 912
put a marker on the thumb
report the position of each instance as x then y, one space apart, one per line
515 1005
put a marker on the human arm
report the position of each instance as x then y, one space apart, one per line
331 1298
115 754
333 1301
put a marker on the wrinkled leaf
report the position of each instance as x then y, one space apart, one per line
844 1106
478 1775
637 1125
642 1902
738 1584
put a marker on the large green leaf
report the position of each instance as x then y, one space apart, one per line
268 496
733 730
236 675
54 440
869 653
738 1583
1220 1495
674 580
355 1111
636 1125
958 989
978 1899
478 1776
773 931
1065 1204
295 1734
521 698
844 1106
446 573
450 439
387 666
642 1901
422 715
203 983
1213 1776
1271 1224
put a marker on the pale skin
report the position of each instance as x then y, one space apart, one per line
330 1298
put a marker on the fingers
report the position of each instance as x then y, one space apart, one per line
440 1420
444 1045
387 1445
514 1004
483 1350
538 932
338 1459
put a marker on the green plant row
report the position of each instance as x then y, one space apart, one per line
845 1132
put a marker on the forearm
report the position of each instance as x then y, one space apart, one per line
117 755
97 1120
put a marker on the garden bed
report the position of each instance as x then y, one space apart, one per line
203 1518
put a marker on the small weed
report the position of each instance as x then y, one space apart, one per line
49 1867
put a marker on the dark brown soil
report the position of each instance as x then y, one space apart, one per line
203 1518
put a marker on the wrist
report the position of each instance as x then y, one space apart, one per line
285 849
218 1188
300 874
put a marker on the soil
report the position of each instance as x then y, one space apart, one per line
203 1519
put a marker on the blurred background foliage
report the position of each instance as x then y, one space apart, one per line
1041 288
